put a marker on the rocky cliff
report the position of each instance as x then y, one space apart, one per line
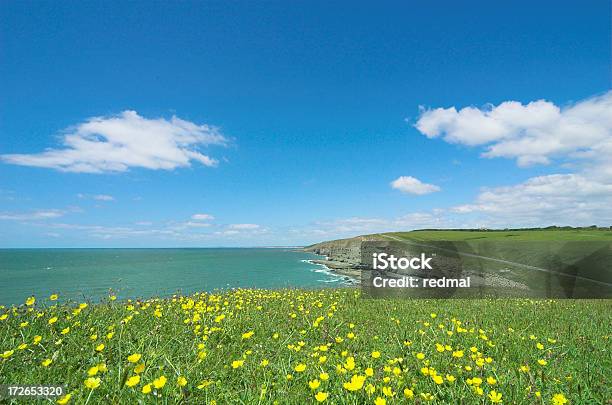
343 256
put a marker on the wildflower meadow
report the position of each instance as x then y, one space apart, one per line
251 346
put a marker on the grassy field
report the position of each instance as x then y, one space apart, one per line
544 235
306 346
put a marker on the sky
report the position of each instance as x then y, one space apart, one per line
163 124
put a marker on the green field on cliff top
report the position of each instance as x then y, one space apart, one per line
310 346
550 235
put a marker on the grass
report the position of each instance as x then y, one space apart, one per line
544 235
272 346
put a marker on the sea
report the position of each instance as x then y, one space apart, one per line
94 274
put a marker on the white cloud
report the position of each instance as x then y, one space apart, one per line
103 197
540 132
244 226
412 185
560 199
347 227
202 217
31 216
533 133
116 143
192 224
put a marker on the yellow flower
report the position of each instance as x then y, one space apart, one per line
7 354
450 378
369 372
388 391
438 379
314 384
53 297
300 367
427 396
324 376
159 382
30 301
350 363
495 397
524 369
355 384
139 368
321 396
433 315
542 362
37 339
380 401
146 388
205 384
559 399
52 320
102 367
247 335
112 297
375 355
93 371
458 354
22 346
540 346
65 331
92 383
420 356
100 347
264 363
491 381
133 358
64 400
132 381
181 381
46 362
237 363
408 393
322 359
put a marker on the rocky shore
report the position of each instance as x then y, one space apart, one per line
342 256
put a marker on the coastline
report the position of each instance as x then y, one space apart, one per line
345 276
340 257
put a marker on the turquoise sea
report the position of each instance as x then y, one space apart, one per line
91 274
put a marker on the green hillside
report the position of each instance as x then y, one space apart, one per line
548 234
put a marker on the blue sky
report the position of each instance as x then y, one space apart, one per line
299 121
